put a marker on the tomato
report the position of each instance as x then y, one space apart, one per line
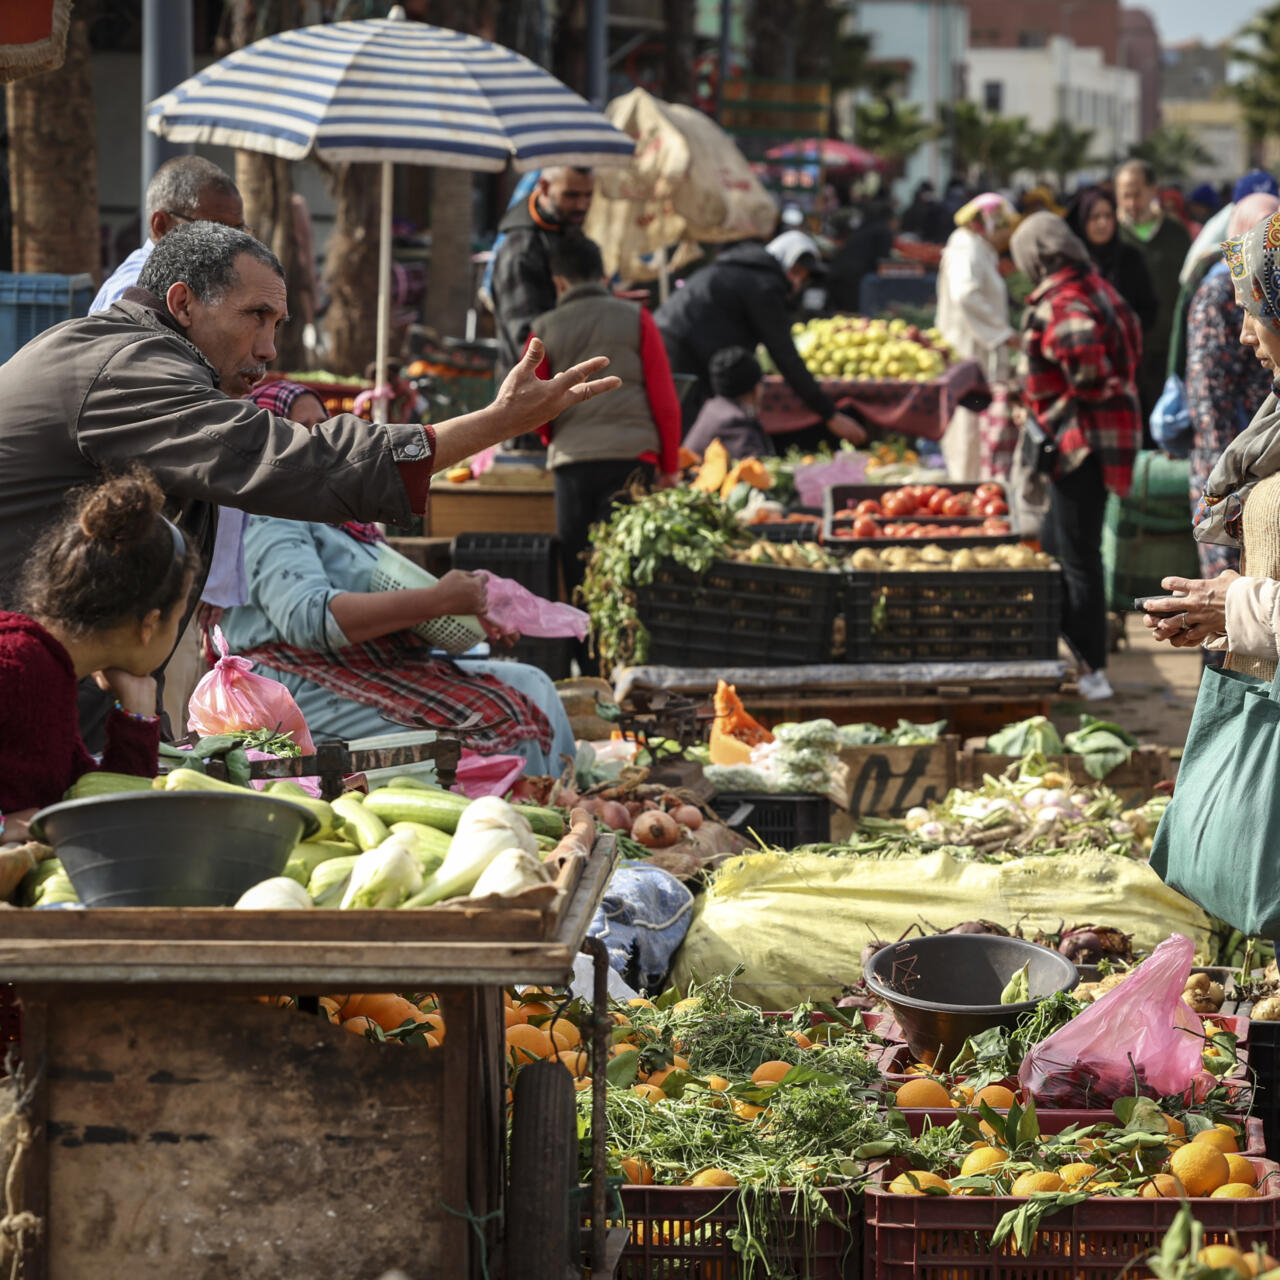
925 492
898 504
868 507
954 507
995 507
995 526
937 498
865 527
840 516
985 492
912 531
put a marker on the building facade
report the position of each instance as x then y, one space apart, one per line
1194 82
1140 52
1030 24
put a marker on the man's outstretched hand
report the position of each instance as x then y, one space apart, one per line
527 401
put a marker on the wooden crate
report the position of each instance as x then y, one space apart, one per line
886 781
196 1135
1136 781
468 507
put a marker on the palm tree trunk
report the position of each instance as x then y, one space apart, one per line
53 163
351 269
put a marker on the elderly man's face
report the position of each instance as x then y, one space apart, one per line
214 206
237 333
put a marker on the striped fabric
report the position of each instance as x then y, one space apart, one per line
389 90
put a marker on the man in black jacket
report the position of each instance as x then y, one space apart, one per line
522 287
743 299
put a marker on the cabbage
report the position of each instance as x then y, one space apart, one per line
488 826
280 893
1025 737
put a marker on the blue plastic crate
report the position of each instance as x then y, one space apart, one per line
32 303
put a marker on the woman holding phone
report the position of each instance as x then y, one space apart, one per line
1241 502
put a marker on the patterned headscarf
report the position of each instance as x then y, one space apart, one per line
279 395
991 211
1254 262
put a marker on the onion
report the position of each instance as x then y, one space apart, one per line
688 815
1080 800
932 832
655 830
1055 798
1035 798
915 818
593 805
1118 828
1051 813
615 815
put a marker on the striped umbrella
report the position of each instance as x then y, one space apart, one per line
388 90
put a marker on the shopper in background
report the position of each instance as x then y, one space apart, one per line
732 415
592 455
102 596
521 285
860 254
1163 242
1225 382
1081 348
926 216
1202 203
973 315
744 298
1093 218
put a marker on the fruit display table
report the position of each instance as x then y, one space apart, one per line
911 408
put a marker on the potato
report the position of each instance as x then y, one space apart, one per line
964 559
1197 982
1200 1002
1267 1010
865 560
1216 993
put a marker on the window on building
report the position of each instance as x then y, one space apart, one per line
993 96
1032 38
982 37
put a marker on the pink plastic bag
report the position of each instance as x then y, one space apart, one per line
487 775
1141 1038
230 699
513 608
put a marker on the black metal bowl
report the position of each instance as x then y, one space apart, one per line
171 848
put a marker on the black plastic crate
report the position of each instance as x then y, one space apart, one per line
787 530
531 559
945 615
783 821
550 654
747 615
1264 1062
844 497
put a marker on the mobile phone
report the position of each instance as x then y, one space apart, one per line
1141 602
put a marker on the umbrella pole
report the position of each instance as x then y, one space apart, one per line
664 278
381 406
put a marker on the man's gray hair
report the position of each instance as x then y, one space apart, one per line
179 184
202 255
1143 168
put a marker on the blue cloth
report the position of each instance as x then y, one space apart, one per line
524 189
125 276
226 583
294 570
642 920
1254 181
1206 194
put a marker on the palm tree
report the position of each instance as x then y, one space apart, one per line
895 131
1172 151
1062 150
53 168
1257 50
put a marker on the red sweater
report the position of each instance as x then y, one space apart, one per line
41 753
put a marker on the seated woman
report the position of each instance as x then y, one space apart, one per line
348 654
103 593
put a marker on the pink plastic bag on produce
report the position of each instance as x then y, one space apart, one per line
231 699
487 775
1141 1038
513 608
815 478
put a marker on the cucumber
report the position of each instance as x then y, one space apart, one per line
362 826
405 782
428 839
545 822
331 824
190 780
435 808
308 855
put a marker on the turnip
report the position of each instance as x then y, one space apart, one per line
932 833
1035 798
915 818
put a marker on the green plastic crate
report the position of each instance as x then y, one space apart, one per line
1147 536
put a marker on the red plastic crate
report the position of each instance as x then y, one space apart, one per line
949 1237
1057 1121
687 1232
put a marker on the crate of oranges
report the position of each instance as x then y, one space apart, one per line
1018 1194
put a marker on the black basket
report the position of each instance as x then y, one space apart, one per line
787 530
945 615
781 821
1264 1062
746 615
531 559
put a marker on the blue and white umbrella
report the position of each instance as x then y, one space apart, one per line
389 91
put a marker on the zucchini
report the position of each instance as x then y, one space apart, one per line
545 822
101 783
331 824
191 780
428 839
362 826
435 808
406 782
308 855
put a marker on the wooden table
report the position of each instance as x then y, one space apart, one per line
179 1127
473 507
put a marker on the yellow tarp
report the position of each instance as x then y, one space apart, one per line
798 922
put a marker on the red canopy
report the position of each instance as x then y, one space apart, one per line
831 153
33 37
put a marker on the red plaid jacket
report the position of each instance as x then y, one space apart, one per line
1081 347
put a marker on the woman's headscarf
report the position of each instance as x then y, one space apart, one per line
1044 244
1254 262
1105 256
279 395
1041 198
991 213
1249 212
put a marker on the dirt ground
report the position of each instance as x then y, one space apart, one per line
1155 689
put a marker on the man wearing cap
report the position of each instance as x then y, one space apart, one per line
732 415
743 299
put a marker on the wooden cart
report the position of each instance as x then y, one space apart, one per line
168 1124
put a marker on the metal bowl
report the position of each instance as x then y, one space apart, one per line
946 988
172 848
